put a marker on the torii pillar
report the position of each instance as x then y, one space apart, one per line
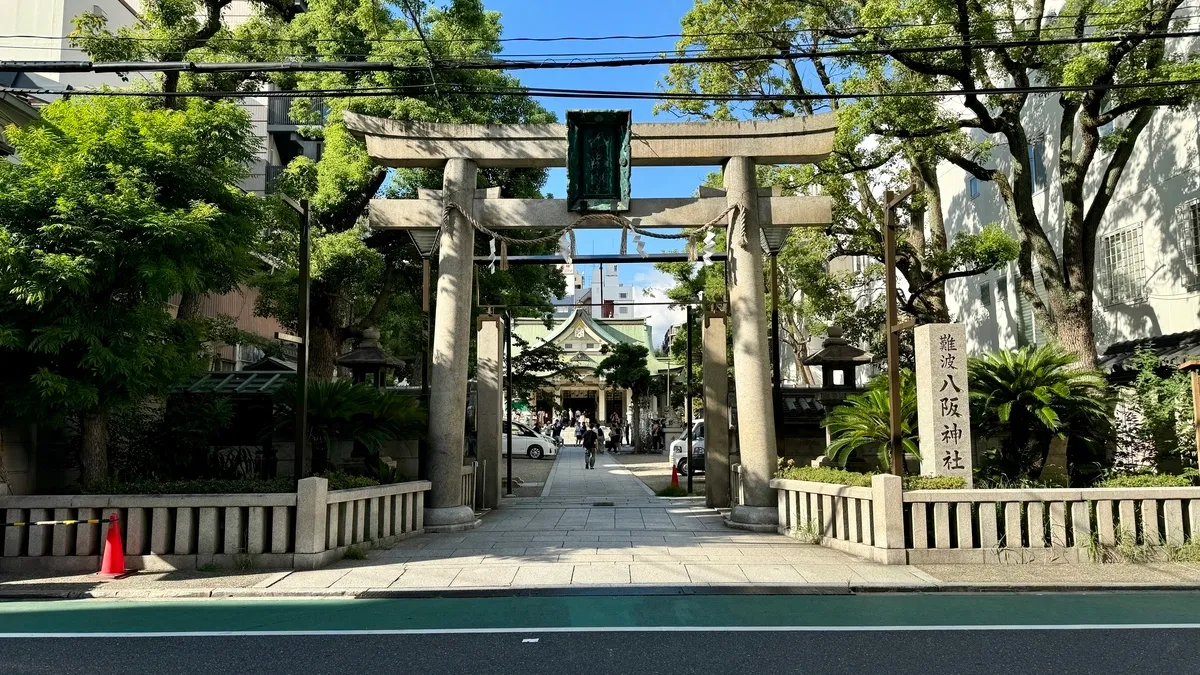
445 512
752 367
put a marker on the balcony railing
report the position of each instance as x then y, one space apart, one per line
279 112
273 173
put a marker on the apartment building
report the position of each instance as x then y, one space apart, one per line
1147 265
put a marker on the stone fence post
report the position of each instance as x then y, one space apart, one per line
311 509
887 504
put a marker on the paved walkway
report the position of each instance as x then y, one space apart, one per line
601 528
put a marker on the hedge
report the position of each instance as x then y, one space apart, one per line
1145 480
211 486
823 474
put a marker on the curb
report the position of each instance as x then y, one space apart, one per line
867 588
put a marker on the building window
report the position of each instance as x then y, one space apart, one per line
1031 331
1037 163
624 310
985 293
622 296
1002 289
1123 270
973 186
569 346
1190 238
591 345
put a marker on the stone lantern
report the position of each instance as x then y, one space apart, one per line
369 360
838 360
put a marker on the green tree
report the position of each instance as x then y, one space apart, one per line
863 164
360 278
115 207
1090 163
1028 396
625 367
536 370
864 422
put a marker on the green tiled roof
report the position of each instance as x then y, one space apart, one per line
612 331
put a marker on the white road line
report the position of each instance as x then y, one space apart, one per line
613 629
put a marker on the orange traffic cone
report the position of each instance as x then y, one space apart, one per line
674 476
112 562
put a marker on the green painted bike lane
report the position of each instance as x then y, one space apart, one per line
911 611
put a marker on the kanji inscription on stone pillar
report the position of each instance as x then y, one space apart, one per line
943 410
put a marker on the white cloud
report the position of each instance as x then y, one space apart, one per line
654 286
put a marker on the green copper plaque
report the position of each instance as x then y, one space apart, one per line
598 160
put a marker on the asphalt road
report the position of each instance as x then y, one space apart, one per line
1096 652
900 634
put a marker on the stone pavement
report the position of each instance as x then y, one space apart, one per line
564 539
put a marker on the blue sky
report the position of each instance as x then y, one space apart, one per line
542 18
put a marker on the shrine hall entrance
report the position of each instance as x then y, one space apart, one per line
582 402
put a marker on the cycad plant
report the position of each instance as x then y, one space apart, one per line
1028 396
863 421
339 410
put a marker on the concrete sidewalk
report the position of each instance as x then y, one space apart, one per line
601 531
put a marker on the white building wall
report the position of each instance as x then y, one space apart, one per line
50 21
1159 181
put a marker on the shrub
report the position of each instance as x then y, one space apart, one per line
192 487
864 421
822 474
934 483
1027 397
356 552
672 491
1145 480
213 486
340 480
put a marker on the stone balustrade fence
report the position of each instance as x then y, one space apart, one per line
469 472
893 526
303 530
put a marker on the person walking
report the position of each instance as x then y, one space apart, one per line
589 447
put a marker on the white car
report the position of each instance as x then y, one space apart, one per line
526 441
678 453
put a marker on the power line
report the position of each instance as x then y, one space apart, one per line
1133 12
461 90
500 64
690 50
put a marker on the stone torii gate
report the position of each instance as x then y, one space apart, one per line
461 150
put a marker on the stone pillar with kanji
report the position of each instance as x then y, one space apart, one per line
943 409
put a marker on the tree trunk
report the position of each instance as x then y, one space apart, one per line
93 450
325 345
4 487
1073 327
189 306
636 422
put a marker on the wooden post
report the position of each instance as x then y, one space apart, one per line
893 339
890 200
1193 367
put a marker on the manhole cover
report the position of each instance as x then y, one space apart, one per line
603 504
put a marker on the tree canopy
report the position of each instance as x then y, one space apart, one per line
893 141
115 207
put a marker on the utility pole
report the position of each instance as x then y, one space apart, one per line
895 433
301 439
